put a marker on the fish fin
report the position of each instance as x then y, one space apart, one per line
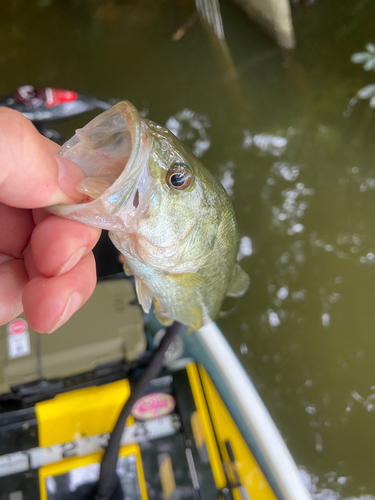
197 312
127 269
161 315
239 283
144 294
163 318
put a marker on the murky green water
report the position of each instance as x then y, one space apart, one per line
301 173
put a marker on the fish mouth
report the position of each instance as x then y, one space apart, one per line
108 151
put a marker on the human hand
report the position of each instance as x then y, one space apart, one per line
47 268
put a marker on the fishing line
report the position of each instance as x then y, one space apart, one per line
108 482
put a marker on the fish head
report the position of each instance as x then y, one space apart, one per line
176 204
159 202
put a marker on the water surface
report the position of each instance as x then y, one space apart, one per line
300 169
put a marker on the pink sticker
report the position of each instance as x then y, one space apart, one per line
153 406
17 326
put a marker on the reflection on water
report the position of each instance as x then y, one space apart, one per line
227 176
246 248
270 144
210 12
297 159
328 487
191 128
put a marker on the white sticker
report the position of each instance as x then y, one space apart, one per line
18 345
139 432
14 462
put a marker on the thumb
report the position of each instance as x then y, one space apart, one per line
31 176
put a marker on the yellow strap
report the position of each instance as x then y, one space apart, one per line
246 466
200 403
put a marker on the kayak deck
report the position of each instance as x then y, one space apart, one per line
181 444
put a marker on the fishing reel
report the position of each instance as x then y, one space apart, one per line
47 105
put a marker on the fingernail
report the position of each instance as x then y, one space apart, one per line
74 259
73 303
70 174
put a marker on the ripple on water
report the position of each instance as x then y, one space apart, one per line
328 487
191 128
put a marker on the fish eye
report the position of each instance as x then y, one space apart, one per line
179 176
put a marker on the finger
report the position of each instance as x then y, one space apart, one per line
52 146
31 175
16 226
50 302
58 244
39 214
13 278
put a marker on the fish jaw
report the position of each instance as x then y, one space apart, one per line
110 147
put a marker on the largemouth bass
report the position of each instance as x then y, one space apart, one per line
169 217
